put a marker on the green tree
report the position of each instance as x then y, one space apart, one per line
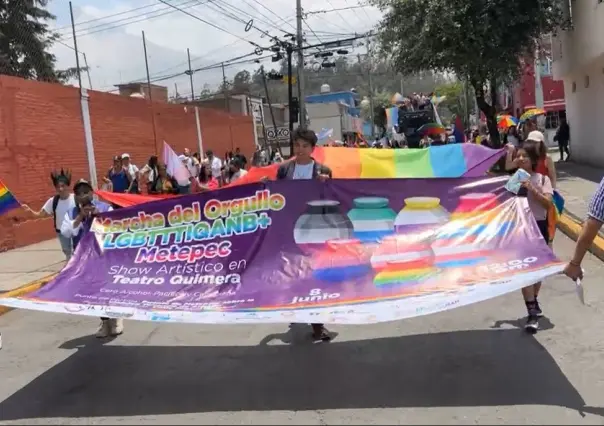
454 93
68 74
482 41
381 101
242 81
25 38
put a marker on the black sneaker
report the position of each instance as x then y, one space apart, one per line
537 309
320 333
532 324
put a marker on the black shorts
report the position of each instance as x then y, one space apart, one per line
542 224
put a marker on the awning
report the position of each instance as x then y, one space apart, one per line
550 106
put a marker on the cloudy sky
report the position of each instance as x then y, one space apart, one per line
109 33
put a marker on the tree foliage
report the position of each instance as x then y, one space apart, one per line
483 41
454 102
25 38
348 73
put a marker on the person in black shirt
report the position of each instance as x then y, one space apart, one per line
241 157
563 137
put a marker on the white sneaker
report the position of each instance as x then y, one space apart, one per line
103 330
116 326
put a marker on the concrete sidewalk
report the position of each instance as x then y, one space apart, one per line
577 183
25 265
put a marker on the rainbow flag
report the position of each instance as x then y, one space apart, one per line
447 161
7 199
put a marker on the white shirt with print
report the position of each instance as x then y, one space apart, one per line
216 167
303 171
63 207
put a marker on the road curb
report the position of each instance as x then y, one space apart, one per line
571 226
25 289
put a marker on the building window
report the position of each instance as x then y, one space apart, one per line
546 67
552 119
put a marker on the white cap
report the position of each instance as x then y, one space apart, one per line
536 136
125 155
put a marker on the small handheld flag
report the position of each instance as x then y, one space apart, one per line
8 201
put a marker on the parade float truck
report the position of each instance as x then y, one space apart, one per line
410 121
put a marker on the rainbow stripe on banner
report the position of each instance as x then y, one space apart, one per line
446 161
7 199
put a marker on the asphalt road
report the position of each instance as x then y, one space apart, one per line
469 365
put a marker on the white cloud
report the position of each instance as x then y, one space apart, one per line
116 55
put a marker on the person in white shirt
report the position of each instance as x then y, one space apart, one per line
149 172
133 173
215 165
237 170
191 163
57 206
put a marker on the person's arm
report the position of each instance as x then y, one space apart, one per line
551 171
132 179
542 195
45 211
510 164
107 177
589 232
72 227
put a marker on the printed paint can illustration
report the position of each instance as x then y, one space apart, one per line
372 218
321 222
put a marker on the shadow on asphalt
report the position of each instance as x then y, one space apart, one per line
544 323
461 369
569 170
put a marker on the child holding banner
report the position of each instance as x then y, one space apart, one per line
539 192
305 167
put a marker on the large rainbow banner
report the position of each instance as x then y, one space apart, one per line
454 160
345 251
448 161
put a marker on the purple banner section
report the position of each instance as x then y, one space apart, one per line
344 251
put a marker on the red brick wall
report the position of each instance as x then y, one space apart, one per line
41 129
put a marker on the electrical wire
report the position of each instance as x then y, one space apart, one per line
68 27
315 12
213 25
242 59
268 21
224 12
279 17
125 21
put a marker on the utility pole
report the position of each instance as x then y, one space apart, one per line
224 89
270 109
149 94
300 42
85 109
190 72
227 108
290 96
75 47
370 80
87 70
